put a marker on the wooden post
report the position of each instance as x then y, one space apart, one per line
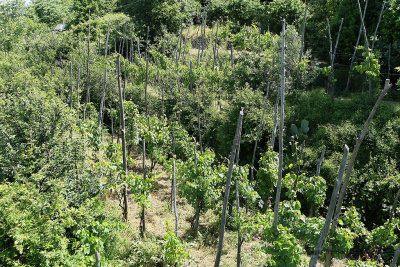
275 122
388 74
259 131
147 71
325 230
138 49
122 128
333 60
87 72
78 79
321 159
353 57
377 26
394 207
232 64
366 43
174 197
240 241
198 209
350 167
142 216
227 189
282 112
102 100
98 261
71 88
396 256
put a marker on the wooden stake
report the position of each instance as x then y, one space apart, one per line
350 167
122 129
87 72
321 159
260 128
227 189
282 112
325 230
333 61
353 57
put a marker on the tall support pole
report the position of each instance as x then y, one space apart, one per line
227 189
325 230
282 112
353 57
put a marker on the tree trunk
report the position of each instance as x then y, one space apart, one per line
325 230
282 112
227 189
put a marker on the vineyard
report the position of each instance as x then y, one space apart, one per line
199 133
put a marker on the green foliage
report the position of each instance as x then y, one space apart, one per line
285 250
199 183
174 250
278 10
52 12
370 66
267 175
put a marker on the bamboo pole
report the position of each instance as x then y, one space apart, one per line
147 72
325 230
227 189
282 112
